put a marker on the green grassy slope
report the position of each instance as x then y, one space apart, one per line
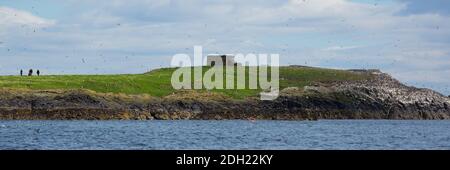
157 82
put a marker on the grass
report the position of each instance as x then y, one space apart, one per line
157 82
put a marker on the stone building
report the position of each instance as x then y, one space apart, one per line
226 60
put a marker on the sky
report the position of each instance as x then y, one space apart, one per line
409 39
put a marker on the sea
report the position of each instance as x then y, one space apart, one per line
225 134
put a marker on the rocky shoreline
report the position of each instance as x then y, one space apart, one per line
381 97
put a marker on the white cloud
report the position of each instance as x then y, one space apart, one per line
14 17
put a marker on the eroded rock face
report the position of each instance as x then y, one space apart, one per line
399 101
381 97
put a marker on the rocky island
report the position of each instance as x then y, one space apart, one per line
306 94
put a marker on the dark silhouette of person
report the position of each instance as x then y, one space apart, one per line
30 73
38 72
21 72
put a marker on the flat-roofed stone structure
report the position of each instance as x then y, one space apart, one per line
225 59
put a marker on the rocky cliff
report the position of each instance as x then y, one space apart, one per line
381 97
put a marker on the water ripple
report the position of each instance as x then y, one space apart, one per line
235 134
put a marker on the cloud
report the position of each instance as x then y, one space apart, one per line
13 17
429 6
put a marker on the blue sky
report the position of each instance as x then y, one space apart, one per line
410 39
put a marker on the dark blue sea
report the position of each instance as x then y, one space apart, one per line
233 134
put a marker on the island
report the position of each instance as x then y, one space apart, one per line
306 93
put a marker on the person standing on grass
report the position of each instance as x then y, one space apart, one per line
21 72
38 72
30 73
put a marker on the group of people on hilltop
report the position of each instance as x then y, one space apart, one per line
30 72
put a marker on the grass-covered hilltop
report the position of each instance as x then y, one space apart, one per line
306 93
157 82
